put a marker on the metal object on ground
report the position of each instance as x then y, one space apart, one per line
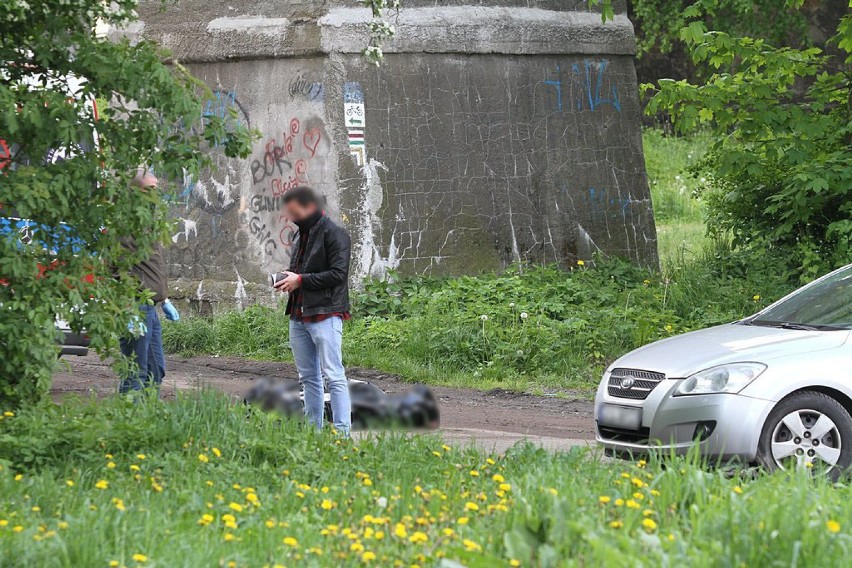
371 406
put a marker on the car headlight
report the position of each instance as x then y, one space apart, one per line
732 377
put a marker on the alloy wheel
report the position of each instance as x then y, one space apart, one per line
806 438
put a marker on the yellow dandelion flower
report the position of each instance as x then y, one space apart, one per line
228 537
474 473
619 502
17 528
62 525
140 557
69 483
553 491
616 524
326 504
647 512
631 504
368 482
756 297
356 547
490 461
471 506
418 537
471 546
290 541
649 524
738 490
8 414
203 458
514 563
638 496
498 478
216 452
102 484
400 531
19 477
235 507
113 563
604 499
463 520
505 487
368 556
581 263
110 465
832 526
134 467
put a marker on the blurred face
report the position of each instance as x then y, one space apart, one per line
297 212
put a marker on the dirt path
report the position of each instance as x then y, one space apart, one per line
496 419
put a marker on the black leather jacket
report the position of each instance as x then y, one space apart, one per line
324 270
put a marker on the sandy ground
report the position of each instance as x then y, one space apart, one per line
494 420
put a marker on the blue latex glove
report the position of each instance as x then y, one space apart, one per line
170 310
137 327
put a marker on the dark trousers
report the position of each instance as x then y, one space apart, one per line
147 351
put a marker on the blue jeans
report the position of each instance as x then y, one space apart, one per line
147 351
317 352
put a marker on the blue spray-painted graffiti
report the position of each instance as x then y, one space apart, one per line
586 87
602 202
223 105
220 106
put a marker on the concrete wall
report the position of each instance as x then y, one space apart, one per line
494 132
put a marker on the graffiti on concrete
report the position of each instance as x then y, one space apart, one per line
285 163
586 87
303 86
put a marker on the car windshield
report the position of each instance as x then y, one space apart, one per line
826 305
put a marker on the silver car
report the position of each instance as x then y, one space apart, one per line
773 389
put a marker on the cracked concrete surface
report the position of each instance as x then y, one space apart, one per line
495 131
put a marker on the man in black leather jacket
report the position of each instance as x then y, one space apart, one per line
317 282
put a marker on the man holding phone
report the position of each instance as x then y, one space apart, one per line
317 282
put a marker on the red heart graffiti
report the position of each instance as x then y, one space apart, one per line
311 140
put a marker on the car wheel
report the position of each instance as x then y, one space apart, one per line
807 430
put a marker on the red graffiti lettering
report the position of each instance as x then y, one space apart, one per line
311 140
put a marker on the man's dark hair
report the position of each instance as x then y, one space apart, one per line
303 195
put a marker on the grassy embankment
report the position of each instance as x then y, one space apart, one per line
535 329
197 483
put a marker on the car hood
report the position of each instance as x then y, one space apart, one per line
683 355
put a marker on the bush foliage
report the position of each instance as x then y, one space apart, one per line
65 170
780 169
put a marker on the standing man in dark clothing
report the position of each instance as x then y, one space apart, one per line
145 343
318 304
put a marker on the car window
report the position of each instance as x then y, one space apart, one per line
826 304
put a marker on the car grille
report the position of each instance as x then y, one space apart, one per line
643 383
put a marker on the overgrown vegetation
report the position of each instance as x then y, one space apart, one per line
779 172
65 172
527 328
197 482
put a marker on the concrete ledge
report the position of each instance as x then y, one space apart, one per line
445 29
477 29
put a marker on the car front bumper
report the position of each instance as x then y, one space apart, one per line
725 426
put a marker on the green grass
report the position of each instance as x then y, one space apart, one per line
198 482
530 328
667 160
